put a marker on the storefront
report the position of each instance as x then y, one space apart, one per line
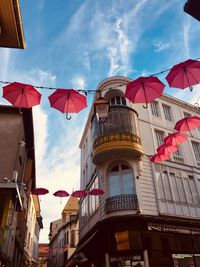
134 242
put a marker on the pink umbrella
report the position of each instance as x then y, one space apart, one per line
21 95
144 90
166 149
175 139
67 101
61 193
96 192
159 158
187 124
40 191
79 193
184 74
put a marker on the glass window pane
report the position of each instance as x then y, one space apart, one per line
114 185
167 188
125 167
115 169
174 187
181 189
127 184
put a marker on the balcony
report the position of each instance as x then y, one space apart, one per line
118 136
121 203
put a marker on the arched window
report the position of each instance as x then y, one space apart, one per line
118 100
121 180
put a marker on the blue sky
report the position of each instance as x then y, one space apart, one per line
77 44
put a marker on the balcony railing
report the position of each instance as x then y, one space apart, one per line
121 203
121 119
119 135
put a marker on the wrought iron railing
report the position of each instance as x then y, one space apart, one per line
121 203
121 120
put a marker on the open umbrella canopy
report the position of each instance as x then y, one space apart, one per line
79 193
187 124
144 89
184 74
61 193
96 192
67 101
21 95
40 191
175 139
159 158
166 149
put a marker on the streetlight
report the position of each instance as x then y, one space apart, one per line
101 109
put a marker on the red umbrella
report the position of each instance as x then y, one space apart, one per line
79 193
184 74
159 158
187 124
40 191
144 90
21 95
67 101
166 149
96 192
61 193
175 139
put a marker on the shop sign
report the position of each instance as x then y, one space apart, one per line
173 229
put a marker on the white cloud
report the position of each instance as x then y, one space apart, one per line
5 55
78 82
186 35
160 46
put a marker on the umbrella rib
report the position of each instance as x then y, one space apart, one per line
188 70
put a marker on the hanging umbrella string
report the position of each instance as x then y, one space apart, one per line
88 91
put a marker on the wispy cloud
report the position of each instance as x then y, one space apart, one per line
160 46
186 36
5 55
78 82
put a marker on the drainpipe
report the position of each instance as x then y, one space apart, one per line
107 260
146 259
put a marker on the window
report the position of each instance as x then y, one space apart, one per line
118 100
84 210
120 180
94 200
174 188
154 109
167 112
186 114
159 137
196 149
73 238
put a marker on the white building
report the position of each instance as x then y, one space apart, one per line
150 213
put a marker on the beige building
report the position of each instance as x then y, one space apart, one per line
63 242
33 226
17 179
149 214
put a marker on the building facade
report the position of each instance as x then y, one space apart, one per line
63 242
17 179
149 214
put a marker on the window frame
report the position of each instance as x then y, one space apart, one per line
114 101
167 110
159 141
155 110
121 179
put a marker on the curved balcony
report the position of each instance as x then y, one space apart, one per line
118 136
121 203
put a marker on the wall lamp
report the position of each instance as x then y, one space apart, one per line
101 109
